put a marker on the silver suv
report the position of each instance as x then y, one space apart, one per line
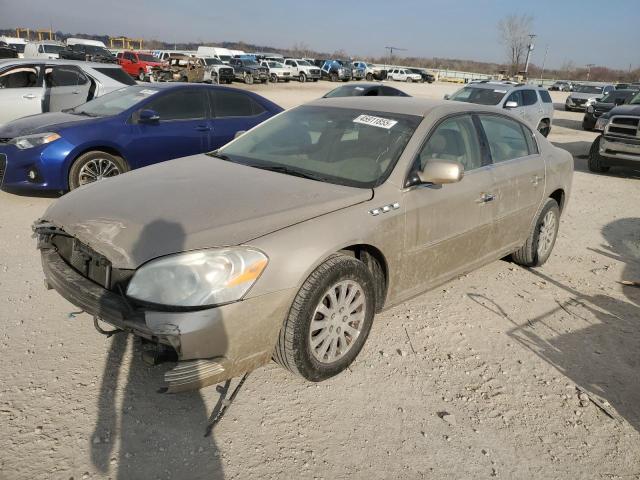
531 104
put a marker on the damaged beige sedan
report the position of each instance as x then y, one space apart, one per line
285 243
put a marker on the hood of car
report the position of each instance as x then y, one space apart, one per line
633 110
43 122
188 204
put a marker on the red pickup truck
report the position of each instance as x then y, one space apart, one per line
138 64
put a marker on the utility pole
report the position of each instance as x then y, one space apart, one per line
529 50
589 65
546 51
391 49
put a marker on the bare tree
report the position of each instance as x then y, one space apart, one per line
514 35
300 50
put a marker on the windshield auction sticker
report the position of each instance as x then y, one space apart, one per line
375 121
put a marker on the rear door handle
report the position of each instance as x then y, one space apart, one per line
29 96
203 128
486 197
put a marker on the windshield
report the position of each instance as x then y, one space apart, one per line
52 48
336 145
275 65
114 103
304 62
481 96
18 46
212 61
635 100
613 96
96 50
587 89
250 63
147 57
225 58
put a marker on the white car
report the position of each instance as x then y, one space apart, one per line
32 86
277 71
45 49
403 75
302 70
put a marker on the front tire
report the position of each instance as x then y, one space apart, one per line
329 320
141 75
539 245
334 77
544 128
248 79
302 78
595 160
369 77
94 166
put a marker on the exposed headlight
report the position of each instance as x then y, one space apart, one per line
569 100
601 123
591 101
200 278
30 141
590 109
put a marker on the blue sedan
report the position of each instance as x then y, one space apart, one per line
123 130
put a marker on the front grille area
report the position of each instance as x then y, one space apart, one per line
624 126
91 264
226 71
579 101
3 166
314 71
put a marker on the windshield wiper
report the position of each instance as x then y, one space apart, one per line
288 171
82 112
221 156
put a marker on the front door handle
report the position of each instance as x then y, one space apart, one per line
486 197
29 96
203 128
76 92
535 180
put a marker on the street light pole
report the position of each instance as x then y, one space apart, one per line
589 65
544 62
529 50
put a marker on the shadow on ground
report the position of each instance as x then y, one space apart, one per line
601 355
158 435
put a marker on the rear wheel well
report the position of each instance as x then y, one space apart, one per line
377 265
558 196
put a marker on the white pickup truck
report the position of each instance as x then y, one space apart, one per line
302 70
277 71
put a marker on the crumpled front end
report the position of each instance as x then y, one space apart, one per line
210 344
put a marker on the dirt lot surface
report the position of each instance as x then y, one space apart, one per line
476 379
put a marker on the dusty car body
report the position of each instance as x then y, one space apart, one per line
348 206
180 69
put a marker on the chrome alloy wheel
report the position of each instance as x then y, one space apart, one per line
337 321
97 169
547 234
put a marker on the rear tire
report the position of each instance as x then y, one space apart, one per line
338 299
537 249
595 160
89 166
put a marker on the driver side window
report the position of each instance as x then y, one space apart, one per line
515 97
454 139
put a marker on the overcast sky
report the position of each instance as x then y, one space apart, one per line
584 31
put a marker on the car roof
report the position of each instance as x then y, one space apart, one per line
401 105
56 61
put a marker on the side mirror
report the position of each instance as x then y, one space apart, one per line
148 116
239 133
441 171
447 96
511 104
619 101
134 60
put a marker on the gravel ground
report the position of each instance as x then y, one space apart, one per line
476 379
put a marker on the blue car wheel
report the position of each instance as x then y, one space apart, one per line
94 166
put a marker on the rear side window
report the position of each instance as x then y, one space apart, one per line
546 98
117 74
506 137
181 105
64 76
529 97
234 104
